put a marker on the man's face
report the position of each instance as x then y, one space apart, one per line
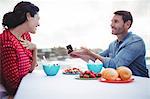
118 25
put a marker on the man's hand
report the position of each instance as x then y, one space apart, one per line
82 53
85 51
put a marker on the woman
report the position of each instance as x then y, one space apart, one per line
18 53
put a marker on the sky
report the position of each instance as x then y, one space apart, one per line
83 22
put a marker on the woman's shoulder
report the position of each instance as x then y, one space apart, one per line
7 39
5 36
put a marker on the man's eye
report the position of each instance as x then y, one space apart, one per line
116 21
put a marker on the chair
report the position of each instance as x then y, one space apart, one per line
3 94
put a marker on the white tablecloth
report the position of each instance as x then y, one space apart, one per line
39 86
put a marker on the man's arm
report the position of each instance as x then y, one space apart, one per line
95 56
105 53
126 55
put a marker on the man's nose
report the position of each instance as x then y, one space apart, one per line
111 24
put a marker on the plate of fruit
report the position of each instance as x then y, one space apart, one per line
72 71
120 75
118 80
88 75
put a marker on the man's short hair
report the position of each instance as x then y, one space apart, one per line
126 15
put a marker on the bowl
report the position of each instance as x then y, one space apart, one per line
51 70
96 68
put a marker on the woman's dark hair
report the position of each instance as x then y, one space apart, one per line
125 16
18 16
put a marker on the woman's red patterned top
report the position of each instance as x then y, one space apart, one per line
15 60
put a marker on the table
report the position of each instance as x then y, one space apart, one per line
37 85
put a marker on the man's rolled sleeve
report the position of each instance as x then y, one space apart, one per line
108 62
125 56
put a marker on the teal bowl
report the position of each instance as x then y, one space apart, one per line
96 68
51 70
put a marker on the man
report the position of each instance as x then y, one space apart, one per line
128 50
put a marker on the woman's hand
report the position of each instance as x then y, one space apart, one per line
27 44
34 61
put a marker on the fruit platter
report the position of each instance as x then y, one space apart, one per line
120 75
88 75
72 71
118 80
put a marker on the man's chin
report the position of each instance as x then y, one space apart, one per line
112 32
33 32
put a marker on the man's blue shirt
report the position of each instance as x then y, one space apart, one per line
130 52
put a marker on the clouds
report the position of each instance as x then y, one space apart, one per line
84 22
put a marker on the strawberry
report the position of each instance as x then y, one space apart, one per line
81 75
87 72
85 76
98 75
92 76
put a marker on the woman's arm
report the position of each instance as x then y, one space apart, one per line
31 46
10 70
34 61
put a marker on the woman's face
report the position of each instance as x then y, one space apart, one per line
33 23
